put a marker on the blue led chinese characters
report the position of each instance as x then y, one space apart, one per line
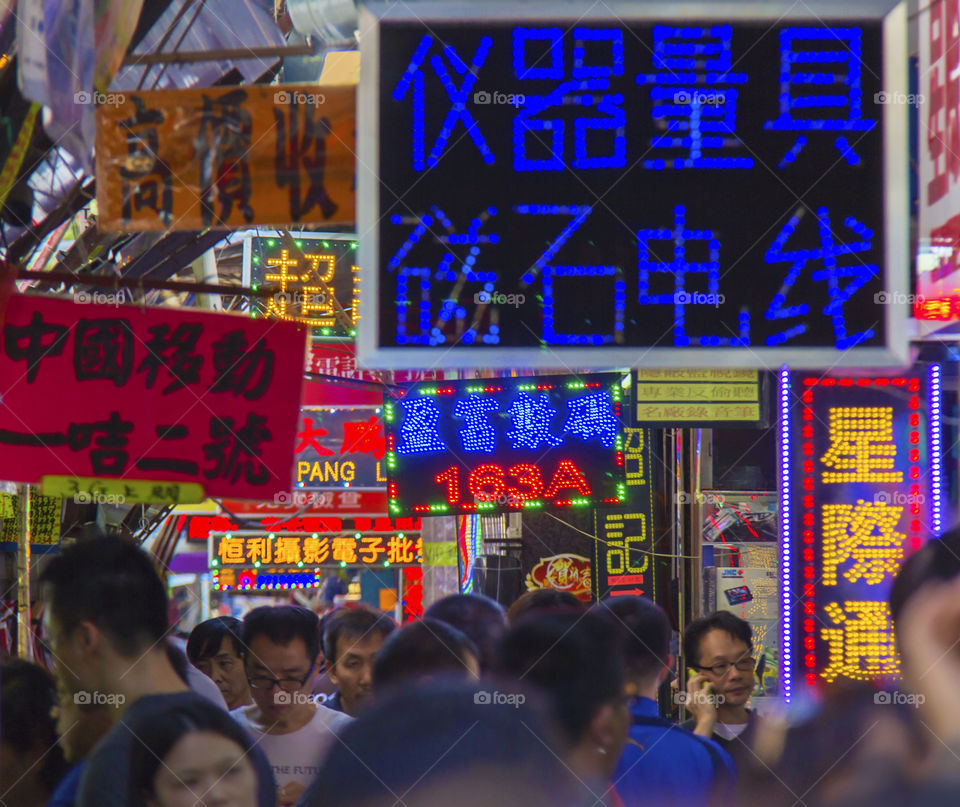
820 87
592 416
418 429
531 422
477 433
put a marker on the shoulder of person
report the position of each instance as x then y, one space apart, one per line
331 717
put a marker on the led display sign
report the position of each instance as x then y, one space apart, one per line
505 444
860 491
720 189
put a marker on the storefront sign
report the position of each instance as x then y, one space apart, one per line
312 503
200 527
619 189
623 558
235 556
321 269
699 397
44 521
340 448
860 491
165 395
226 157
505 444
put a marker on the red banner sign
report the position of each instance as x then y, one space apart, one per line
327 502
122 392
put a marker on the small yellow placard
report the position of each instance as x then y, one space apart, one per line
717 393
698 412
91 490
440 553
716 374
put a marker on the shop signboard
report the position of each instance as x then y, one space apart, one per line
340 448
653 184
288 504
251 560
860 491
691 398
226 157
494 445
162 402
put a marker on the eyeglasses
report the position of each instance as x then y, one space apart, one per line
744 665
286 684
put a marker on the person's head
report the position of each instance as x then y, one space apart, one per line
541 601
423 650
192 756
576 661
937 560
645 631
720 646
105 607
214 649
80 724
455 749
280 647
31 761
352 637
483 620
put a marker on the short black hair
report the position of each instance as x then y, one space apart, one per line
937 560
420 649
205 639
575 659
281 624
542 600
451 738
729 623
353 623
158 735
112 583
28 693
644 630
481 618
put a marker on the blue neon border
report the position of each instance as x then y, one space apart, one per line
786 665
936 477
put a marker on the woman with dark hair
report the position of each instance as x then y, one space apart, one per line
196 756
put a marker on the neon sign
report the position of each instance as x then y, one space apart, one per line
860 475
505 444
600 184
309 277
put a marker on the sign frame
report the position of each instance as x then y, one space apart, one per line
896 257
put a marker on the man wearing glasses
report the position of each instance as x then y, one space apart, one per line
280 647
719 649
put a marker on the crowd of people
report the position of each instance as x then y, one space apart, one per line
554 703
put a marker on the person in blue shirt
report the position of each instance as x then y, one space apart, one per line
661 763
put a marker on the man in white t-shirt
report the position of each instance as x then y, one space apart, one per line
280 648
